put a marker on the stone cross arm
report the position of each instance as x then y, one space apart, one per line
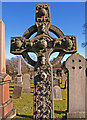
67 43
19 45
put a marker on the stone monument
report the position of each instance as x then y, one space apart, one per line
6 105
17 92
26 83
77 65
18 88
56 82
57 93
43 44
19 76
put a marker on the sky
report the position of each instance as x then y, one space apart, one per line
67 16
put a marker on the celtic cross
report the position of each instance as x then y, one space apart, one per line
43 45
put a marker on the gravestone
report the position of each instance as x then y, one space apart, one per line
57 93
18 88
6 105
77 65
17 92
56 82
26 83
43 44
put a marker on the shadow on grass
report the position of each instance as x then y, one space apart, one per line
11 90
32 92
25 116
11 86
62 112
10 96
30 117
32 87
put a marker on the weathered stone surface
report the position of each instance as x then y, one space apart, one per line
19 76
4 93
6 105
2 47
19 66
57 93
26 83
77 65
4 77
56 82
17 92
5 109
43 44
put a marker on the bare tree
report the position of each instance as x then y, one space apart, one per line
12 66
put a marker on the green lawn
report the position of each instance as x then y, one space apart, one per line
24 105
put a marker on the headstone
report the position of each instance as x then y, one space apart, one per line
77 65
17 92
18 88
56 82
57 93
43 44
26 83
6 105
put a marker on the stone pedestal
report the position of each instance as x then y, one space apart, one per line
76 64
6 105
19 76
19 80
18 88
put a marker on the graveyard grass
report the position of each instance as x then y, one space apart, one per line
24 105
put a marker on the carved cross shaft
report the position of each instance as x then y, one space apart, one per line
43 44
